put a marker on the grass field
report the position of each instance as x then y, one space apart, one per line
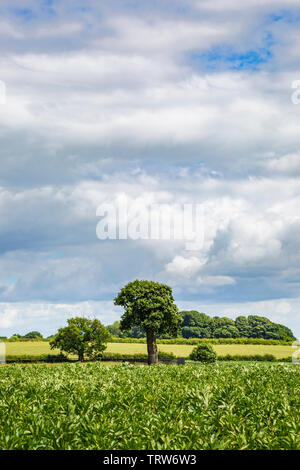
95 406
37 348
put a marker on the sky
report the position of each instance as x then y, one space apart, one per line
163 102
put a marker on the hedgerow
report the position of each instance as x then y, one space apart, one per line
253 357
118 357
195 341
107 356
178 340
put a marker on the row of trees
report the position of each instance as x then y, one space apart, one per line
200 325
30 335
149 309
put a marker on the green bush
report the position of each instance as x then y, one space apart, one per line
254 357
203 353
12 339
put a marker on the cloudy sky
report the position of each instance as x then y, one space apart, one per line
163 102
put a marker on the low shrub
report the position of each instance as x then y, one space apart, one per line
203 353
13 339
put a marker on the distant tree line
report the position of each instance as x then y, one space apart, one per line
30 335
199 325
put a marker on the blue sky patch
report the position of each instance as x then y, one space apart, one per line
25 14
220 58
10 281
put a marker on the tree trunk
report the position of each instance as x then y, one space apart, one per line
81 356
152 349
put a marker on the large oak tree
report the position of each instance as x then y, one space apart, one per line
150 307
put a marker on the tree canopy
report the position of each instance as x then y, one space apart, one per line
33 334
83 337
199 325
149 306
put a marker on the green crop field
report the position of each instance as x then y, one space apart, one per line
40 347
221 349
94 406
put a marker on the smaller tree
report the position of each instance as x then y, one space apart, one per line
83 337
203 353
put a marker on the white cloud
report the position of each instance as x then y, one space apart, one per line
55 30
10 30
164 36
215 281
8 316
22 317
184 267
287 164
235 5
146 102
